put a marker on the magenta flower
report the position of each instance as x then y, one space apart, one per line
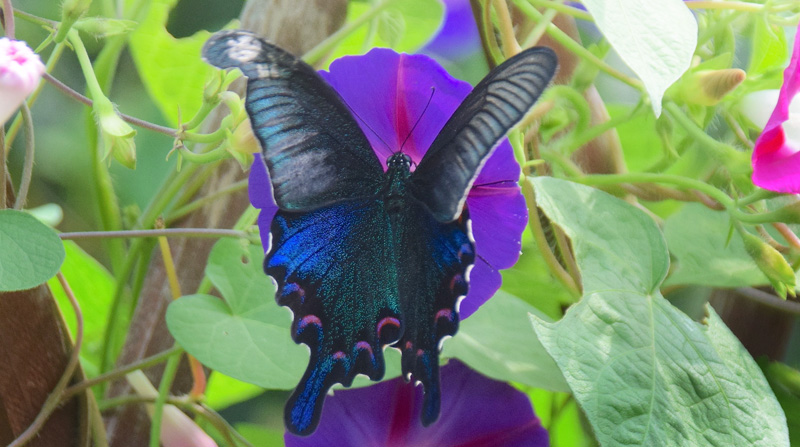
776 157
20 72
389 92
476 411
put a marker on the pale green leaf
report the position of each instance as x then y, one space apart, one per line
30 251
705 255
498 342
644 373
656 39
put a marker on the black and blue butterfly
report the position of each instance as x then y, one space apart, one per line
365 257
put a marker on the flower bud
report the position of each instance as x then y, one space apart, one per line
771 263
708 87
117 134
242 144
20 72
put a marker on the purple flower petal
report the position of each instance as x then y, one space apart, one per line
776 158
476 411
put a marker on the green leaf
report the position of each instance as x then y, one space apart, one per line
656 39
705 255
769 47
404 26
30 251
93 287
645 373
499 342
620 246
223 391
261 436
246 336
170 68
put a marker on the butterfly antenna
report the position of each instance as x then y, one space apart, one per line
367 124
433 90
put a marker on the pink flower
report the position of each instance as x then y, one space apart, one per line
20 71
776 158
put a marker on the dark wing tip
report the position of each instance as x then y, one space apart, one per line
232 48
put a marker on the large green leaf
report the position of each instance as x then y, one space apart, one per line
705 255
645 373
498 341
656 39
170 68
30 251
245 336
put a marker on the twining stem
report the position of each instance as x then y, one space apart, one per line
27 167
787 234
170 232
54 399
576 48
201 202
127 118
562 8
163 393
537 231
120 372
506 27
8 12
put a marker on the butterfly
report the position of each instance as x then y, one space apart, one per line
364 257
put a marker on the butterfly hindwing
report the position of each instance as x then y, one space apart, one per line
301 122
432 278
335 269
495 105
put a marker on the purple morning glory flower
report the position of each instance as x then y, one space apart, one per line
390 93
476 411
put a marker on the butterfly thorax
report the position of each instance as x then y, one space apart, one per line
397 175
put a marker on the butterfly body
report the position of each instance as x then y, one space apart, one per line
366 257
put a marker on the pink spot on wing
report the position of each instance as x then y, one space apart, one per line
308 319
456 279
409 345
294 288
388 320
420 352
444 313
339 355
364 346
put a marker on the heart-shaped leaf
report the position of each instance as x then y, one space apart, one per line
30 251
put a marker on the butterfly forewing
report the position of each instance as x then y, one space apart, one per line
314 150
494 106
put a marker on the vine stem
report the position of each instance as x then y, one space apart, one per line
127 118
170 232
8 12
120 373
27 168
535 226
54 399
163 393
510 44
